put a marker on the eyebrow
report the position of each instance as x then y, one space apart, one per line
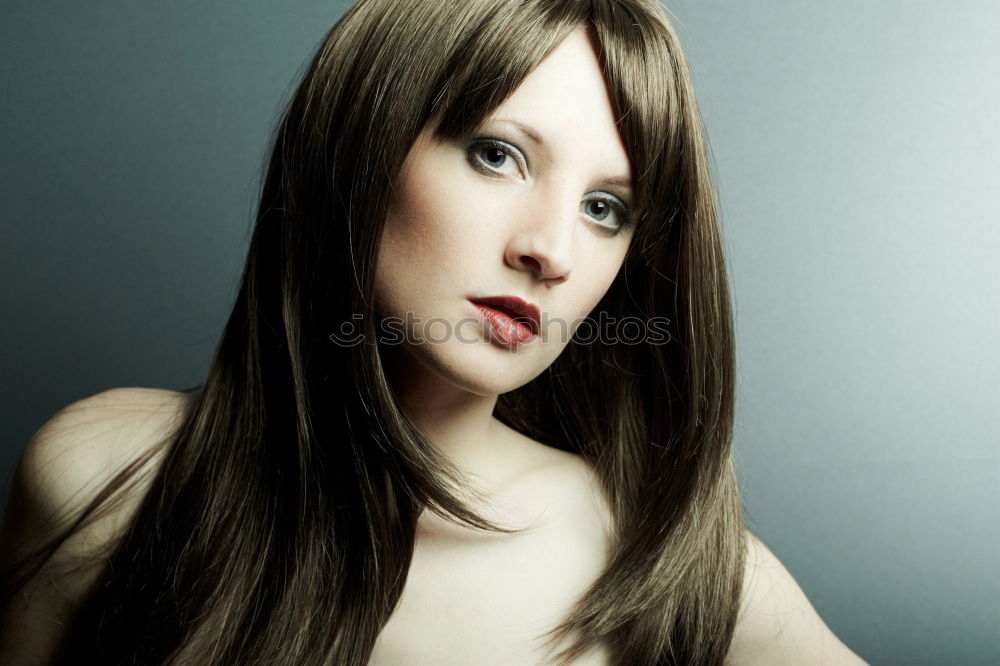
533 135
526 130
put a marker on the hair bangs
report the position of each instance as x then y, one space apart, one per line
496 55
642 66
642 74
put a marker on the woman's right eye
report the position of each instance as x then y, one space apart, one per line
496 158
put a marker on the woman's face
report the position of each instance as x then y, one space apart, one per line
533 205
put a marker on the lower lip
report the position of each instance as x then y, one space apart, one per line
507 330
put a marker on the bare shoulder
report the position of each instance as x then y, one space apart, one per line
64 466
73 456
777 624
77 451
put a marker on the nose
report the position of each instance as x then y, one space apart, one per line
544 245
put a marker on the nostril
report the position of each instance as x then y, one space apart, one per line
532 262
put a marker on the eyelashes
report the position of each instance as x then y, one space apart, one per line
491 156
499 159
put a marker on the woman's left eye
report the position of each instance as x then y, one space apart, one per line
608 211
496 158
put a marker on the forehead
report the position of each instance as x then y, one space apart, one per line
565 100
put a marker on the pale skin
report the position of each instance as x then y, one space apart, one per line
461 227
455 230
468 222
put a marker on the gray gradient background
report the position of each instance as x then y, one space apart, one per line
857 153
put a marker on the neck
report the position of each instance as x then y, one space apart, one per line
459 423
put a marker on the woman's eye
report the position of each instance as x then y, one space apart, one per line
496 158
608 211
598 209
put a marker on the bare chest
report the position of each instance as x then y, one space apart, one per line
490 600
486 605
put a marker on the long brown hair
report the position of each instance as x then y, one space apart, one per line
280 527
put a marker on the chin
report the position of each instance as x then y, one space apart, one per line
481 368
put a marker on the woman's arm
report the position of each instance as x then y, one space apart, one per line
777 625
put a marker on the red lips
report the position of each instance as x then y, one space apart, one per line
519 309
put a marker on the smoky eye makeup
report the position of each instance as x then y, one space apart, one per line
496 157
599 206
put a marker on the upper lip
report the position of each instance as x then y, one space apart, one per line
520 308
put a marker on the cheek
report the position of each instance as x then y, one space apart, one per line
437 223
428 241
414 224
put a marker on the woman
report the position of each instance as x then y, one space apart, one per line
406 449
